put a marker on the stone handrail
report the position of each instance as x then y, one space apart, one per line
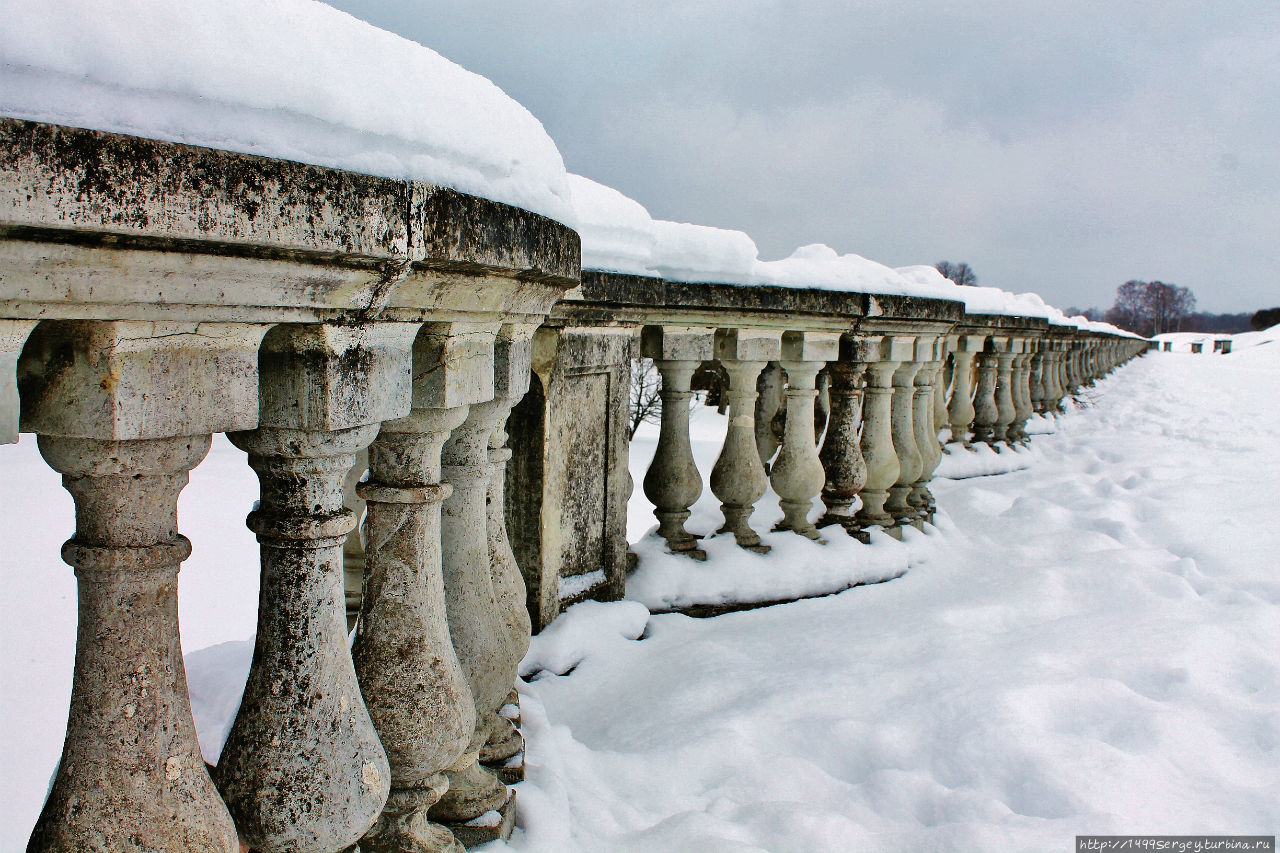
152 294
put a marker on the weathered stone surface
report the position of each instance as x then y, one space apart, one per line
135 380
131 776
902 421
844 468
410 677
302 769
478 629
568 479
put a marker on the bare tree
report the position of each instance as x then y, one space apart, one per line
646 404
1151 307
960 273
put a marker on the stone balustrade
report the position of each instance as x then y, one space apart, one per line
438 364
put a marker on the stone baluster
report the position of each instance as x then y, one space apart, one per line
926 430
985 410
324 392
1018 373
960 411
797 474
480 630
1035 377
738 478
412 681
904 435
132 777
877 432
841 455
1054 390
1005 411
672 483
512 371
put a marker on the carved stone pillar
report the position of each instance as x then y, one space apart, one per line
904 438
478 627
797 474
1018 372
1052 378
960 412
1035 377
512 358
414 685
672 483
841 454
131 776
926 430
1005 411
877 432
324 392
738 478
985 411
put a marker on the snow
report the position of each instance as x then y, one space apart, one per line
1088 644
619 235
1096 649
578 584
293 79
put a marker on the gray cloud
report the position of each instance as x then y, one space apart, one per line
1058 146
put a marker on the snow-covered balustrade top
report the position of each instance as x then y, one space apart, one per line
438 363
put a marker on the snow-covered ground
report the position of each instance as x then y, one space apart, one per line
1089 642
1087 645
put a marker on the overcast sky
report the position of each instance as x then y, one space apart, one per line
1061 147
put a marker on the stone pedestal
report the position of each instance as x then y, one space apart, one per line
569 478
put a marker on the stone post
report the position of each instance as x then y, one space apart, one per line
960 412
985 410
926 430
479 628
1035 377
738 478
412 681
904 435
324 392
841 454
672 483
131 776
1005 411
797 474
877 432
1019 392
512 359
1052 377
